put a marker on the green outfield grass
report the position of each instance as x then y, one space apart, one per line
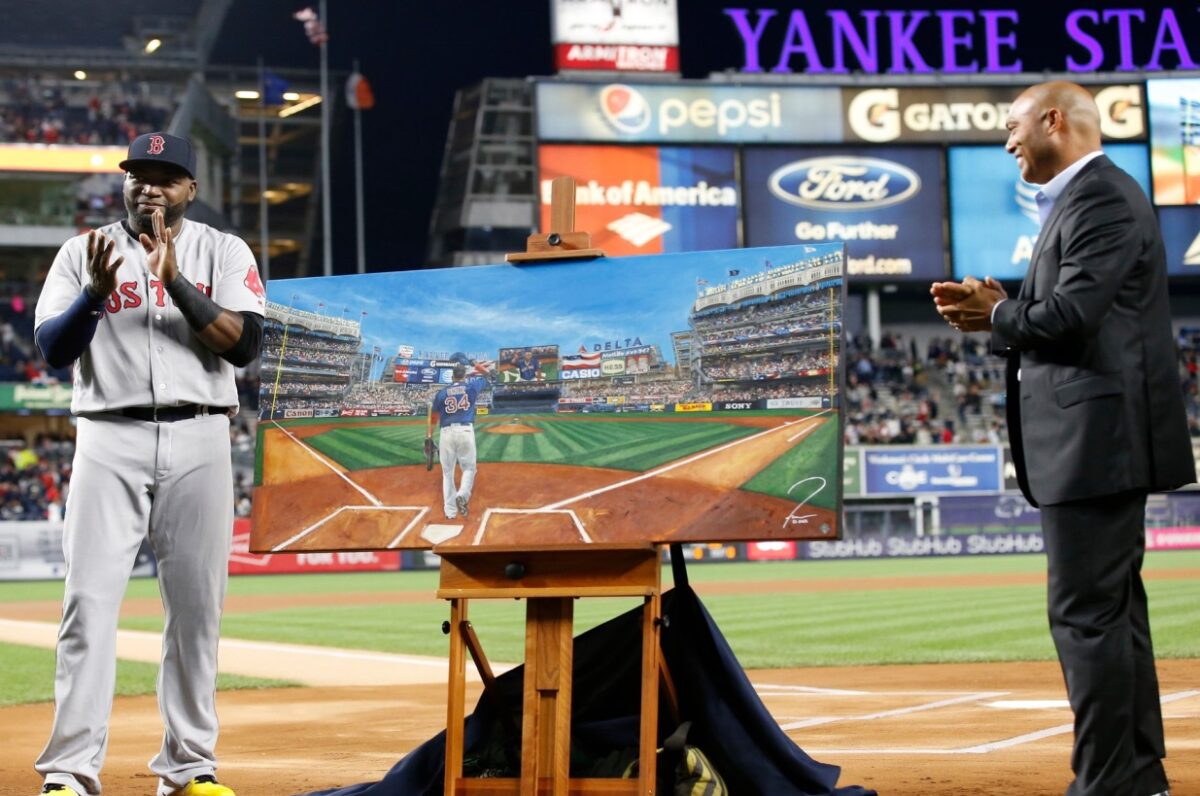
869 622
638 445
810 456
29 676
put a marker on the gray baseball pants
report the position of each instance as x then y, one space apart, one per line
173 481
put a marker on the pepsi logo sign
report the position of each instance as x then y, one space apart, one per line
844 183
625 108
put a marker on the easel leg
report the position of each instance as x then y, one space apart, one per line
546 723
456 701
647 757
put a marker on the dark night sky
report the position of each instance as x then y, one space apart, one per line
417 53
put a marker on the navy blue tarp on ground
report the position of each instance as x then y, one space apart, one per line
729 721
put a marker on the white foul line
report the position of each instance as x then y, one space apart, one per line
328 464
985 748
803 430
487 515
680 463
421 510
411 524
887 714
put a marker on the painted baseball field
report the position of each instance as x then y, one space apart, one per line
688 397
918 677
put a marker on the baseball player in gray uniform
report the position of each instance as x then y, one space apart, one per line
155 312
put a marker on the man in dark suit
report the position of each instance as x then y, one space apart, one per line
1095 419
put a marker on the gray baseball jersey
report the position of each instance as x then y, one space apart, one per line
171 480
143 353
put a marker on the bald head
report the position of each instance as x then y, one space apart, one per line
1051 125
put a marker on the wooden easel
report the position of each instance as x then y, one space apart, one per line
550 579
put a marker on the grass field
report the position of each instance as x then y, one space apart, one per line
778 478
29 677
880 620
635 446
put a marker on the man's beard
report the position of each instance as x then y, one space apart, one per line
142 221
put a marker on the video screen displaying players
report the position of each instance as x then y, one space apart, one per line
527 365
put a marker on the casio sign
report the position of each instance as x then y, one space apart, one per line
844 183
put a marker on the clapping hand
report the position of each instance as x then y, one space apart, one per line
102 273
967 306
160 250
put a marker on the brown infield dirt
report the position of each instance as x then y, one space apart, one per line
306 503
921 730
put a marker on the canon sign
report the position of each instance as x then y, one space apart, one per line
844 183
974 114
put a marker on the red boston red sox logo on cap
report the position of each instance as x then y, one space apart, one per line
156 145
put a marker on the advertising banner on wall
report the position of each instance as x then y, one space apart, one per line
625 37
884 203
696 113
243 562
993 213
961 468
961 114
647 199
1175 140
1181 236
852 472
33 550
23 397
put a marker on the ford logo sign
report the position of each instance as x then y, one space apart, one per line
844 183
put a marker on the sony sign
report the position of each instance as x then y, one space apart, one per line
971 114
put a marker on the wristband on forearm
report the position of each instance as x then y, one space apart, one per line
198 309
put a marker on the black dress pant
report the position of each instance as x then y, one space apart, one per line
1101 629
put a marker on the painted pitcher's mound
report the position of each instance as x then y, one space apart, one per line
512 428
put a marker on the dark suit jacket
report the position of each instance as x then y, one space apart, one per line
1098 408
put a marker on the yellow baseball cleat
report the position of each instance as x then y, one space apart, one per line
58 790
206 785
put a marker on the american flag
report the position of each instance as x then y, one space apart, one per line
314 28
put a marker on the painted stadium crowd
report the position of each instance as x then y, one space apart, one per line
37 111
307 355
758 368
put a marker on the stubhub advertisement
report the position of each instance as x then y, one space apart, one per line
884 203
993 212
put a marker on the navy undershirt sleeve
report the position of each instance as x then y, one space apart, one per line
63 338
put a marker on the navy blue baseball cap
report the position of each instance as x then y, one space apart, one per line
162 148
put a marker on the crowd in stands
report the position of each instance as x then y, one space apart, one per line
34 478
807 304
896 395
758 368
36 111
299 337
659 391
308 356
381 395
305 389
